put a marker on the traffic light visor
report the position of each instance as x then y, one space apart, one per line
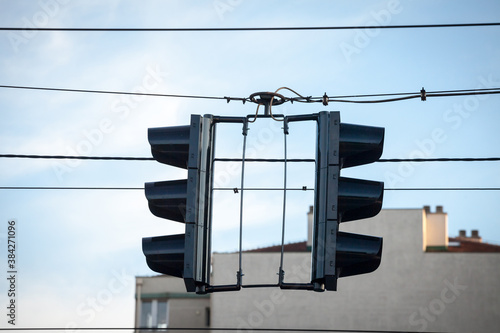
359 199
165 254
170 145
360 144
168 199
357 254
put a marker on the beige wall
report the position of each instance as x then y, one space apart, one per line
436 227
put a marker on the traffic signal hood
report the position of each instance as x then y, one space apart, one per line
165 254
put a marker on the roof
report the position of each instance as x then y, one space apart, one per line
456 245
471 246
291 247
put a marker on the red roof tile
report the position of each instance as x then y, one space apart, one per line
464 246
471 246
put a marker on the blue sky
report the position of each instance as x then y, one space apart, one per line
79 250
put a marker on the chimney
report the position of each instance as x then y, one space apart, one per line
475 236
435 229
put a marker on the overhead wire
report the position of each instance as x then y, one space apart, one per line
236 190
201 329
325 99
124 158
69 188
130 158
423 95
108 158
213 29
123 93
303 99
441 159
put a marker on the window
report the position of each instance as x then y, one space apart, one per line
162 317
154 314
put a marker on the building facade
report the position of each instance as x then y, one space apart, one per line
426 281
162 301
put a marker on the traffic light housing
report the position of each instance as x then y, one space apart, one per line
187 200
338 199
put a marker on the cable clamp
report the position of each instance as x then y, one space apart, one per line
423 95
285 126
325 99
245 124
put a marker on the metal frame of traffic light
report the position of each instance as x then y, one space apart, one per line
188 255
187 200
337 199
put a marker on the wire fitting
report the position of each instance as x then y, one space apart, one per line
423 95
285 126
325 99
229 99
268 99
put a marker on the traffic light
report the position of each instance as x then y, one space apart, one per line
338 199
187 200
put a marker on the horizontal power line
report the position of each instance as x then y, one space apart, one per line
236 190
386 189
122 93
414 93
402 26
69 157
69 188
444 189
441 159
422 95
201 329
125 158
